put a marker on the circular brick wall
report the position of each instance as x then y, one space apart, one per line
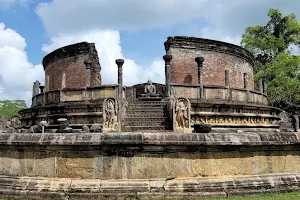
65 67
218 57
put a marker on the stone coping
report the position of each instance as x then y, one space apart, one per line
172 187
152 138
217 87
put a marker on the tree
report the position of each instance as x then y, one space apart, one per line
274 62
10 108
283 75
265 42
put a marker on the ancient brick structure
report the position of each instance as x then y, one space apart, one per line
205 132
71 66
220 58
215 78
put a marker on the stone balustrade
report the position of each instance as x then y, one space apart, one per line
220 93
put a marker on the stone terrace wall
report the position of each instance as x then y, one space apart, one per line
65 67
218 57
148 155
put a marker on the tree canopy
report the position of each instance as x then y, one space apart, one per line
265 42
10 108
270 44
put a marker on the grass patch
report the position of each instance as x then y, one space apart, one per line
281 196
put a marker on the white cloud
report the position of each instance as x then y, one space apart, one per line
95 21
8 3
116 15
16 73
109 49
229 18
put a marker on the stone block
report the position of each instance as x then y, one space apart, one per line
74 166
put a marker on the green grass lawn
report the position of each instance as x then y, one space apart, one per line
282 196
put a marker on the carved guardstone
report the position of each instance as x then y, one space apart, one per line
111 116
182 116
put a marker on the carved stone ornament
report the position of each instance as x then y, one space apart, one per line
182 117
111 115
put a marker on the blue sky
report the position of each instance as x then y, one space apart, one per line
141 45
134 30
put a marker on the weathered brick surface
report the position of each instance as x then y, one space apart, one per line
70 60
218 57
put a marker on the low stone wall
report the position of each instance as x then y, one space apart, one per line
78 113
220 93
148 155
75 95
147 165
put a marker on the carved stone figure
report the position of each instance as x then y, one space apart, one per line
182 114
85 129
150 89
111 110
95 128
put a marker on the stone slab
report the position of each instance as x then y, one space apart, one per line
79 189
151 138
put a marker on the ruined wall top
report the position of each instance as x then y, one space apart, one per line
74 66
68 51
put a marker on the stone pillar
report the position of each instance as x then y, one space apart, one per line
296 123
36 88
264 86
47 83
227 78
167 59
120 63
88 66
199 61
260 85
245 75
42 88
63 80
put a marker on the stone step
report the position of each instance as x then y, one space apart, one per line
146 106
145 128
144 111
148 124
150 103
137 102
145 119
138 116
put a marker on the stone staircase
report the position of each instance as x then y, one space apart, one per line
146 116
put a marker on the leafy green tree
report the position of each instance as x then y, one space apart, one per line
265 42
283 75
10 108
274 62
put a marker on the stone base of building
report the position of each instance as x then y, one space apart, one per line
147 165
81 189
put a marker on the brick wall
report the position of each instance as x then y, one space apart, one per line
70 61
184 68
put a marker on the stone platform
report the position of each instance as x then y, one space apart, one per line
145 164
196 187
